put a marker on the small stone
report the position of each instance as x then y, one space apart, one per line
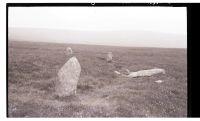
117 72
159 81
69 51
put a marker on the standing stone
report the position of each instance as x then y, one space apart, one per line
109 57
69 51
68 77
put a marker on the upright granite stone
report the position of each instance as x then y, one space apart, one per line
68 77
109 57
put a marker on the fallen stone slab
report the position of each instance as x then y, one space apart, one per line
142 73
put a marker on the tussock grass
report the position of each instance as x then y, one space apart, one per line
32 76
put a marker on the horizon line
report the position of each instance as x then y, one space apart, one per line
64 29
34 41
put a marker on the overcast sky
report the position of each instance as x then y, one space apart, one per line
164 20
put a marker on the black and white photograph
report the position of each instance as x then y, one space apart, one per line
97 61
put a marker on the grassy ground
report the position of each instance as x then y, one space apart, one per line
32 74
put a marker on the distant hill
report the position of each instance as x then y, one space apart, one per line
115 38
